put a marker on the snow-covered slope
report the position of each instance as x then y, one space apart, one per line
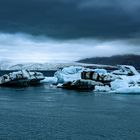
5 65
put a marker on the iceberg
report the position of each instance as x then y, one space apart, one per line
124 80
68 74
21 78
127 84
125 70
119 84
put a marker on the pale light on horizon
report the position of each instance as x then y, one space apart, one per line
24 47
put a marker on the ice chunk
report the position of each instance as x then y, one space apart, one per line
118 83
125 70
71 70
102 88
126 85
52 80
60 86
68 74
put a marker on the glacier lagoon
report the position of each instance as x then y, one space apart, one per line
45 112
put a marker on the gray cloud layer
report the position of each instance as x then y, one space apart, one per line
93 27
27 48
71 19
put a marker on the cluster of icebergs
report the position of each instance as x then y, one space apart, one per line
124 80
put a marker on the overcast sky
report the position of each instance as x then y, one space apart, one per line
65 30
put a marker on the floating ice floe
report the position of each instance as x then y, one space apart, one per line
125 79
21 78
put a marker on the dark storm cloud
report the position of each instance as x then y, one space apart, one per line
72 18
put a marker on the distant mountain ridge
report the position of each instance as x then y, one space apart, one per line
95 62
45 66
32 66
129 59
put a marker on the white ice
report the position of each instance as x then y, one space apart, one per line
120 83
50 80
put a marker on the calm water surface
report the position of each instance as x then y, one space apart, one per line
47 113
